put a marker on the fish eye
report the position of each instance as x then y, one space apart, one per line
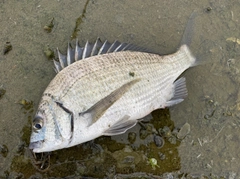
37 123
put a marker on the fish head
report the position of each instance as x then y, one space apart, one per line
51 128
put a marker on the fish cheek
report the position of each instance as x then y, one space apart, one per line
64 121
38 135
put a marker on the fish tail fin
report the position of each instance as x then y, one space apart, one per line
189 30
195 45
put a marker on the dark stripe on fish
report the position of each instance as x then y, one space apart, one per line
72 118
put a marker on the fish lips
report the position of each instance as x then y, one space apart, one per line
34 145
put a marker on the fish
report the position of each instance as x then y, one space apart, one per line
104 89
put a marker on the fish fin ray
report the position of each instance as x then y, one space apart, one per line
96 47
180 92
62 59
98 109
78 51
87 50
70 54
121 126
106 45
114 46
57 65
131 47
120 47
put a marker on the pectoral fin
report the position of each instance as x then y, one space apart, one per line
98 109
121 126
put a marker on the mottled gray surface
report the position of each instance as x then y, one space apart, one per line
212 107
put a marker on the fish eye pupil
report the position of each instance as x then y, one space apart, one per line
38 126
37 123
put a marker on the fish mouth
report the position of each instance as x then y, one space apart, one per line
34 145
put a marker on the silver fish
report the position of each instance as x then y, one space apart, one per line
104 89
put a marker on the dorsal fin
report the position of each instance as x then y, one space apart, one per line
106 45
87 50
114 46
98 48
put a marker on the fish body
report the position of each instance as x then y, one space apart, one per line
106 94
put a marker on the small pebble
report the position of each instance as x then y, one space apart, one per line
128 160
172 140
159 141
161 155
165 132
143 133
185 130
131 137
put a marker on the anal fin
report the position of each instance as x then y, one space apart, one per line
180 92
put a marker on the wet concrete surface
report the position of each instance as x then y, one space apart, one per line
211 108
